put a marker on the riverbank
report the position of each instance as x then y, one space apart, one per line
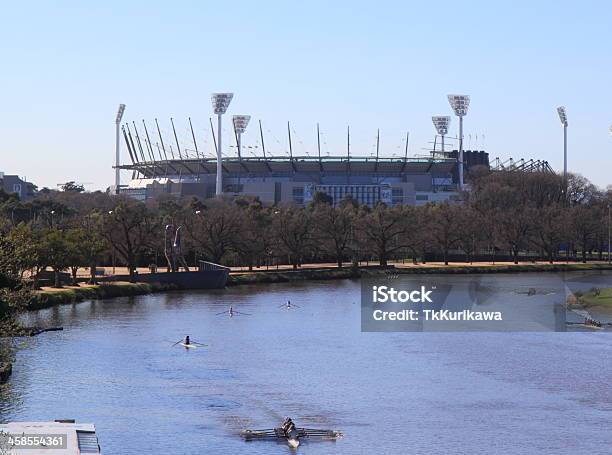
48 297
505 267
6 369
310 272
596 301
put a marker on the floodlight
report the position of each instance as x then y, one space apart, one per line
562 115
441 123
120 113
460 104
240 123
220 102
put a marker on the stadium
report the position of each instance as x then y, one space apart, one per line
282 180
295 179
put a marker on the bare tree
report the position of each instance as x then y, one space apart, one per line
130 229
213 228
384 230
293 230
334 228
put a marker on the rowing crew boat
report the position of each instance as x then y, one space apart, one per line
292 437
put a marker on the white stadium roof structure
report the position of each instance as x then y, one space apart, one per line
287 166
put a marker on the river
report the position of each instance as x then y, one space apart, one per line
389 393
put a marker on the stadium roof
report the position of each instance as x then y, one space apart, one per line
286 165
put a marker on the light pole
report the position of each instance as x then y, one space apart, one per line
609 259
110 212
441 123
117 145
220 102
563 117
460 104
240 124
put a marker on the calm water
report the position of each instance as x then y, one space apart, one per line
390 393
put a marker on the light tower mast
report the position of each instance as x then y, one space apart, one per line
460 104
563 117
220 102
120 112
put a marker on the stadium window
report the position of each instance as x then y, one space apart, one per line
298 195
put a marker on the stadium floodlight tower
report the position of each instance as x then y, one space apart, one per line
220 102
441 123
240 124
460 104
120 112
563 117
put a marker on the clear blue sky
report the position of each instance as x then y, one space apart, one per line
384 64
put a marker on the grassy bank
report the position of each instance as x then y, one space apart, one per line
50 297
596 298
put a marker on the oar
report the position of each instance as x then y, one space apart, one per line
240 312
199 344
179 341
320 433
223 312
258 434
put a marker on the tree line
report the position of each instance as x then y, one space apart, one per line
502 215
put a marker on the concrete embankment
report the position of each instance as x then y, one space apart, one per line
282 276
310 274
502 268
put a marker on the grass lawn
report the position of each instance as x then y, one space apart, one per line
600 297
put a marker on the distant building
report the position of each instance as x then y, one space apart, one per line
14 184
411 181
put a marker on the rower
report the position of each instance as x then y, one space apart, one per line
187 340
288 305
288 426
231 311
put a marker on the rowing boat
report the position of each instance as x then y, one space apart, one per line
188 346
293 437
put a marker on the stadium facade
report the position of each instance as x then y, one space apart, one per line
410 181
